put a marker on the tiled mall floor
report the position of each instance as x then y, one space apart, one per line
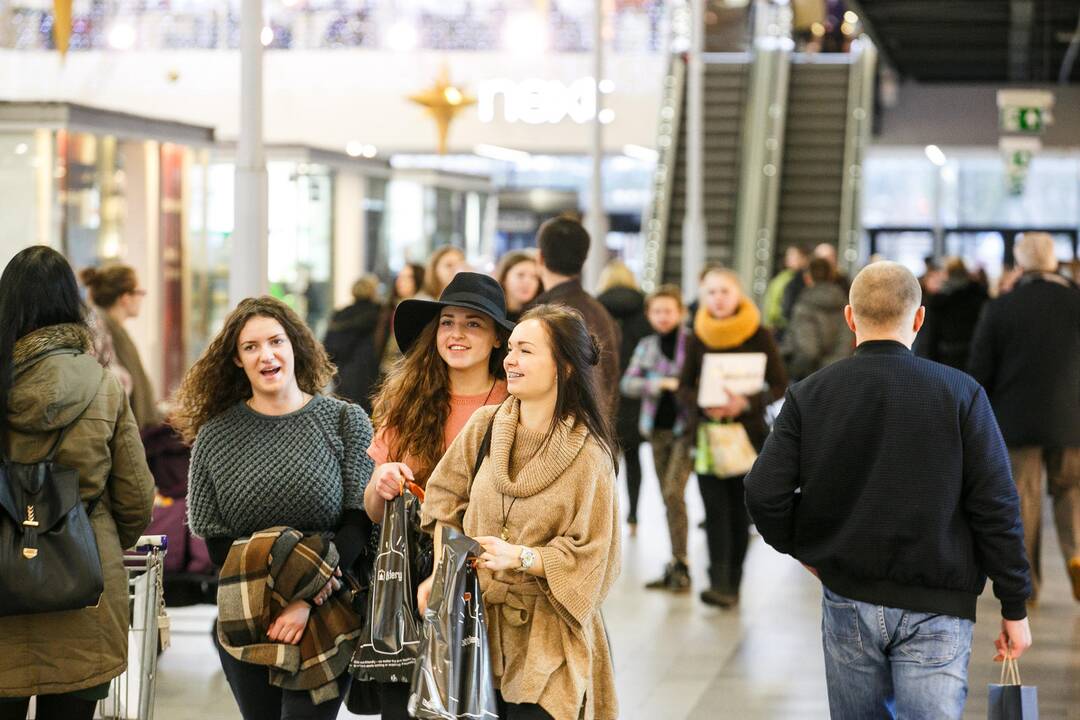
676 658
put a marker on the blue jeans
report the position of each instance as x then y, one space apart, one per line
883 662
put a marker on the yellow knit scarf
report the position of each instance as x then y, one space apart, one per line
729 332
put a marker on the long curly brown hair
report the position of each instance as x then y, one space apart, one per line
414 400
215 382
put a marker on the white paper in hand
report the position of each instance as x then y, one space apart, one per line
721 373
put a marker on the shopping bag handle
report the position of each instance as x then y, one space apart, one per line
1010 668
413 488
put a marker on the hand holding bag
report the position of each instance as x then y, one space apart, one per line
1010 700
390 639
453 679
49 558
723 450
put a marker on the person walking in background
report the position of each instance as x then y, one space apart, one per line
445 262
653 376
951 316
270 451
407 284
620 296
886 475
54 394
795 262
564 246
454 348
817 334
544 505
353 342
520 280
728 322
1026 353
117 298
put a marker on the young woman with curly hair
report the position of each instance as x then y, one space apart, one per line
271 450
454 348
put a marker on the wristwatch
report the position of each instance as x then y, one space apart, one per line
528 557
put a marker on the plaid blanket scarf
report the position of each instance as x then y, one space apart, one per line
263 574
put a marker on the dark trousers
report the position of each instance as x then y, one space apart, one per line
632 460
520 711
727 530
395 700
49 707
259 700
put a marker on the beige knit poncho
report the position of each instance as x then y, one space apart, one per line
547 637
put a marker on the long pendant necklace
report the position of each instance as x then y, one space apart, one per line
505 533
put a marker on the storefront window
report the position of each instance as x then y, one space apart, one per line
91 184
300 252
23 163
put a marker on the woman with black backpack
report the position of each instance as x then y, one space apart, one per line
57 401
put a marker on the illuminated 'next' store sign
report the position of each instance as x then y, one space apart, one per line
536 101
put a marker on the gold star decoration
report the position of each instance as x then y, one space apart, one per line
61 29
443 102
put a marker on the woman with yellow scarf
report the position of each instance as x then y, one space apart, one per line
728 322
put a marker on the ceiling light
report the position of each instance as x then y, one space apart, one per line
21 148
851 17
935 155
121 36
606 116
606 86
402 36
525 34
495 152
354 148
847 28
267 36
369 151
817 29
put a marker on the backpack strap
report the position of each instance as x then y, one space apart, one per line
485 448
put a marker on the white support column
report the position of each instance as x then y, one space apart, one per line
694 230
596 220
248 264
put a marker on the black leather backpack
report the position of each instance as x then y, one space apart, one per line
48 553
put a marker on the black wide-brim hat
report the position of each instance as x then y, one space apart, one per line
471 290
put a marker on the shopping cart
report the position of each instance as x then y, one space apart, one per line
131 695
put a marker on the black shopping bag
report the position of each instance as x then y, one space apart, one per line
1011 700
453 678
390 638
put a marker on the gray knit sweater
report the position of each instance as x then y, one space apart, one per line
303 470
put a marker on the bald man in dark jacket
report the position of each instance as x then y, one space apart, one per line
886 474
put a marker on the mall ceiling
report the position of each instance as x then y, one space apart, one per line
969 41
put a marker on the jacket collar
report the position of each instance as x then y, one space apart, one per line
563 289
49 340
882 347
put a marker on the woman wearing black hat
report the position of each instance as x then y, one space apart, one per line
453 365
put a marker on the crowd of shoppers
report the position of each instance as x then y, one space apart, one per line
509 400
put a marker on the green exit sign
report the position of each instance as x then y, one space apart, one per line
1022 119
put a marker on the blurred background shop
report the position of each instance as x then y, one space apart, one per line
858 124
